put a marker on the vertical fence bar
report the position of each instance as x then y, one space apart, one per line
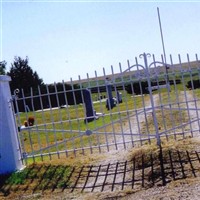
37 132
30 140
10 157
152 100
86 123
194 97
169 99
58 99
44 120
67 115
185 95
18 121
177 101
118 111
123 82
75 106
143 99
98 92
160 94
134 108
103 117
110 106
52 120
125 100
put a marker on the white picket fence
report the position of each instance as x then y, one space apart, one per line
144 103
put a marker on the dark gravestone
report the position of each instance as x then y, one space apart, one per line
110 102
119 97
90 112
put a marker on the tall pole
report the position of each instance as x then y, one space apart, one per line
163 45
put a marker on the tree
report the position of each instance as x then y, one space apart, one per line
3 67
23 76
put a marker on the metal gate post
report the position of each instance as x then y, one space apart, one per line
151 98
10 156
155 118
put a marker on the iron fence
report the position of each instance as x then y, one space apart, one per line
143 104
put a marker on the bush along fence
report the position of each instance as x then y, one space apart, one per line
142 104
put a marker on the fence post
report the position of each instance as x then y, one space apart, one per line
10 157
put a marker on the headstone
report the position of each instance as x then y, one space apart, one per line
90 112
110 102
119 97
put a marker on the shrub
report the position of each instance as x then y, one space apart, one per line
137 88
194 84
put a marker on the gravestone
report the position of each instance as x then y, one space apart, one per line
110 102
119 97
90 112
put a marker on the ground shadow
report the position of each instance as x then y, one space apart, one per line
144 171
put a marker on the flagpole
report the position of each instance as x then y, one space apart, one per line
163 45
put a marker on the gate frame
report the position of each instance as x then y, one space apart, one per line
150 69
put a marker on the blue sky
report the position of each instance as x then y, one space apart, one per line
64 39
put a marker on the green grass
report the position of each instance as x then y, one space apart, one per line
37 177
72 119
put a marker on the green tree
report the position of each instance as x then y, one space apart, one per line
23 77
3 67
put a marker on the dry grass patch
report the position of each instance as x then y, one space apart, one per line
181 145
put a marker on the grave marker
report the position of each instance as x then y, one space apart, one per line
90 112
110 102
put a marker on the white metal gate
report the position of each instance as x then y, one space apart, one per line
144 103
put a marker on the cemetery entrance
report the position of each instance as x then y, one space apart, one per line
136 105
